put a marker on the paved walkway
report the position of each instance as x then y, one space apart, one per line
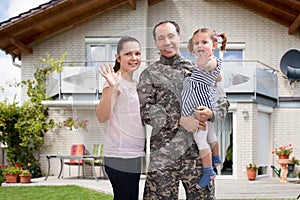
261 188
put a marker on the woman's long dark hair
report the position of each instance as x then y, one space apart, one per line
121 43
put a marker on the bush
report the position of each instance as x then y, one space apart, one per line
2 178
35 169
22 128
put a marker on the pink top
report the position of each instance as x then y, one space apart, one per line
125 136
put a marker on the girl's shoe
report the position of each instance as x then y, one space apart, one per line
207 176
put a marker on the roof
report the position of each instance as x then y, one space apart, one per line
19 33
284 12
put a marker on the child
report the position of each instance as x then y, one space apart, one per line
200 90
119 105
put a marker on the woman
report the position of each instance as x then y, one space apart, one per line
119 105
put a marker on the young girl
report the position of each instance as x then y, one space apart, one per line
200 90
125 136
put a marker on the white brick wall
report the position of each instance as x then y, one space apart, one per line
59 140
246 137
286 129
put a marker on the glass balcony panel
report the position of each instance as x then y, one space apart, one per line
239 76
250 77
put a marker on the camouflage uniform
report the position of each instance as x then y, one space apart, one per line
174 154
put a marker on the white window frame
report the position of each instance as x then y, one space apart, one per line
107 42
230 46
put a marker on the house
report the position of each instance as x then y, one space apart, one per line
265 104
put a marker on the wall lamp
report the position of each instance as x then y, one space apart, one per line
245 114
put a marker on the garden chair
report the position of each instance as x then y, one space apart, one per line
76 150
98 152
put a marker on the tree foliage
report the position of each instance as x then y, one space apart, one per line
22 127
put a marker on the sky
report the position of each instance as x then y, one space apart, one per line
8 72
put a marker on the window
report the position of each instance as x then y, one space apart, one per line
233 52
99 50
186 53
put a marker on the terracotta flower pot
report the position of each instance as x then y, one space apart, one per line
283 156
11 178
25 178
251 174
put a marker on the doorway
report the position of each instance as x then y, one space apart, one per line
224 130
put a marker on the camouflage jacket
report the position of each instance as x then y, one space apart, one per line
159 91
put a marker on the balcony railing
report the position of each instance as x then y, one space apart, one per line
250 77
239 76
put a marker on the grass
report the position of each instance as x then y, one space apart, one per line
51 192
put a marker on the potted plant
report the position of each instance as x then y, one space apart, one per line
283 151
25 176
295 161
251 171
73 123
291 166
11 174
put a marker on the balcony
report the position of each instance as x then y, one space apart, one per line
250 81
243 81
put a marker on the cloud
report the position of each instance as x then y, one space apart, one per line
13 70
3 10
17 7
12 75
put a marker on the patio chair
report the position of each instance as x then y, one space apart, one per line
98 152
76 150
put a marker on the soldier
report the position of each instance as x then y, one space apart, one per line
174 154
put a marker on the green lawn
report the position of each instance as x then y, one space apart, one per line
51 193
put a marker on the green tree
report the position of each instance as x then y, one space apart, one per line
22 128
